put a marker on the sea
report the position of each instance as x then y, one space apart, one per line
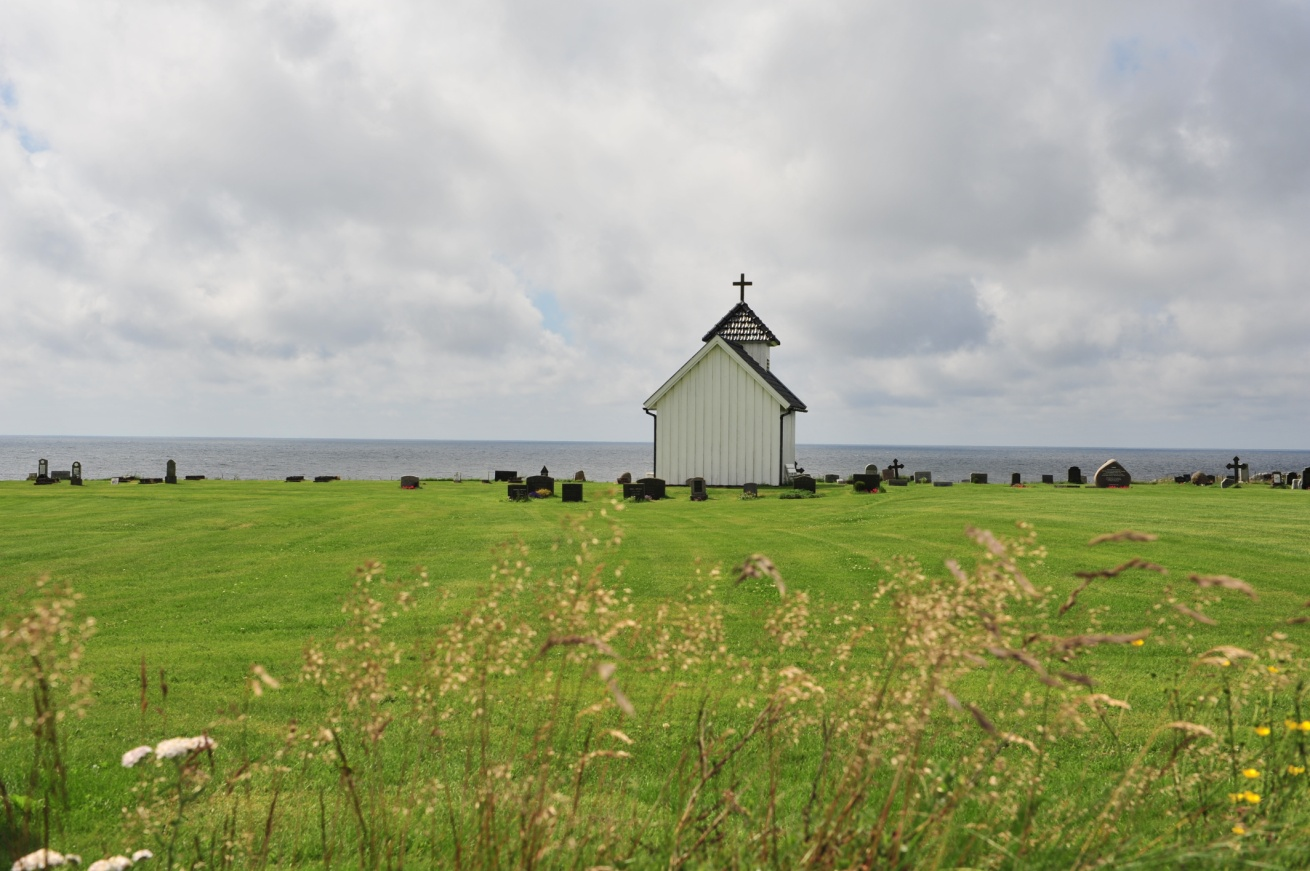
382 459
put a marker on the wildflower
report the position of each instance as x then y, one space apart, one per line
1250 773
136 754
1262 731
1138 642
44 858
1292 725
1294 770
1305 726
1251 797
1239 830
172 748
1272 669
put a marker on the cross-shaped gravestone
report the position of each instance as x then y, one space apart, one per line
1236 466
743 284
896 467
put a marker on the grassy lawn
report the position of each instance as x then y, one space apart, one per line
206 578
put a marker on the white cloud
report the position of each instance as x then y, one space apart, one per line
967 222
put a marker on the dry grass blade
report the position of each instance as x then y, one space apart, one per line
1073 598
1230 652
1123 535
1191 729
757 565
606 672
981 719
1026 659
1225 582
1075 641
576 640
1080 679
1134 563
1195 615
1295 621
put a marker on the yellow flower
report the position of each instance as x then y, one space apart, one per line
1251 797
1262 731
1234 797
1273 669
1292 724
1239 830
1294 770
1138 642
1305 726
1250 773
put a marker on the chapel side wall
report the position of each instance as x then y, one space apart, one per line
718 423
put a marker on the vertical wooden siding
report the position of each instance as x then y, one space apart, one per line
720 424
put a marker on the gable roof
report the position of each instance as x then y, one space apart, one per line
742 325
768 380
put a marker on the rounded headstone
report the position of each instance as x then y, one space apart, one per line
1112 474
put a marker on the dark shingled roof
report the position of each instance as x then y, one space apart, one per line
793 401
742 325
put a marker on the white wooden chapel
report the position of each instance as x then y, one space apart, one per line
724 416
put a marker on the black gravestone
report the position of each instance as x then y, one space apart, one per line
750 489
1075 475
831 479
977 477
579 476
409 482
923 477
323 479
537 483
194 478
1305 478
1112 474
1048 479
76 477
898 482
43 473
295 479
1015 480
517 492
502 475
655 487
634 491
572 492
170 472
697 486
803 482
871 481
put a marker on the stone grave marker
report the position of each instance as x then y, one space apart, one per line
803 482
1015 479
625 478
1075 475
1276 481
750 489
295 479
62 474
872 469
579 476
1245 474
571 491
923 477
76 478
634 491
1227 482
872 480
831 479
1048 479
43 473
977 477
505 475
697 486
409 482
1236 466
1112 474
517 492
943 483
323 479
654 487
194 478
540 482
170 472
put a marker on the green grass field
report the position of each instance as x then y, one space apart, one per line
205 579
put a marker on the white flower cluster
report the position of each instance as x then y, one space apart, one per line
120 863
44 858
171 748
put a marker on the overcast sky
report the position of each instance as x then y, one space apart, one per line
1037 223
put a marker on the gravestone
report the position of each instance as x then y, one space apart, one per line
803 482
579 476
897 482
977 477
1112 474
750 489
76 478
625 478
697 486
1227 482
1015 480
409 482
194 478
923 477
1075 475
1245 474
503 475
654 487
61 475
1201 479
1276 481
872 470
571 492
1182 479
323 479
517 492
170 472
872 481
634 491
43 473
1048 479
1305 478
540 482
831 479
943 483
295 479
